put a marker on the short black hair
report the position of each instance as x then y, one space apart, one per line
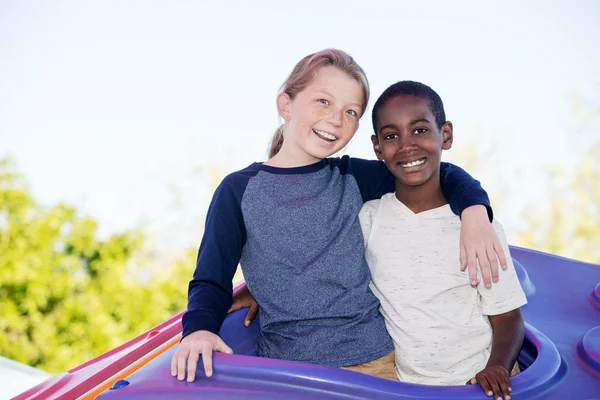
417 89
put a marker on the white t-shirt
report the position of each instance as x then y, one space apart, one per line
438 322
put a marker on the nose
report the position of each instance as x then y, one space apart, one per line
336 117
407 143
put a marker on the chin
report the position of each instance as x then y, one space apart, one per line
323 153
411 181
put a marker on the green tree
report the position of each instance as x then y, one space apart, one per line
67 296
571 225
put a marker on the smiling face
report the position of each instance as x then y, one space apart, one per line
322 118
410 142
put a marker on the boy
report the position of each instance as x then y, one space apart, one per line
445 332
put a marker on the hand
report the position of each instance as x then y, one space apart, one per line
479 243
242 299
194 344
494 381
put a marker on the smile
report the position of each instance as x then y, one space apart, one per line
325 135
413 163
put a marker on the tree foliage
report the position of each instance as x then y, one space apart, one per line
66 295
570 226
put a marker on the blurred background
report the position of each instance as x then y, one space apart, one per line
118 120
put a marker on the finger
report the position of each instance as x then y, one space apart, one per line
500 252
472 381
207 360
221 347
463 257
504 384
234 307
483 382
493 260
252 311
472 265
507 386
192 364
495 385
174 362
484 267
181 359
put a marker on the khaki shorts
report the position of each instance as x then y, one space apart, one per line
516 369
383 367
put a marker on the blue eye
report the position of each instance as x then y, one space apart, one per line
352 112
323 101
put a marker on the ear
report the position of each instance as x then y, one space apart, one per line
284 105
447 135
376 147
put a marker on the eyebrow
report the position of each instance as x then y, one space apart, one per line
333 97
413 122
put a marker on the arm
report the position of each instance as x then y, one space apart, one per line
507 338
210 290
501 304
478 241
508 331
462 191
372 177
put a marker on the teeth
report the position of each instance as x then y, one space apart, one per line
325 135
414 163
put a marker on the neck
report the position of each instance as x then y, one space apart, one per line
422 197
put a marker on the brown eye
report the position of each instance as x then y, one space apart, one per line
419 131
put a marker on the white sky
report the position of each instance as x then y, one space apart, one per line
121 107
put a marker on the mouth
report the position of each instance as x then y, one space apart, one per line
325 136
412 164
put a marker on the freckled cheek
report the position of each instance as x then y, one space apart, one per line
318 114
350 126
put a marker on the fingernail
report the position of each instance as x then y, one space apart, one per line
499 398
490 393
488 285
246 323
190 379
507 397
495 280
209 373
510 389
474 283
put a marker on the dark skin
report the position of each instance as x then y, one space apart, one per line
507 338
407 134
410 142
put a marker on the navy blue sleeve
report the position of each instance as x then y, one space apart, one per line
210 291
374 180
372 177
461 190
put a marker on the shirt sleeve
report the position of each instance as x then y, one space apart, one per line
372 177
366 215
210 291
461 190
505 295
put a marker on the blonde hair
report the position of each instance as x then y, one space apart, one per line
305 71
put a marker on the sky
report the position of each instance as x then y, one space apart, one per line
132 110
